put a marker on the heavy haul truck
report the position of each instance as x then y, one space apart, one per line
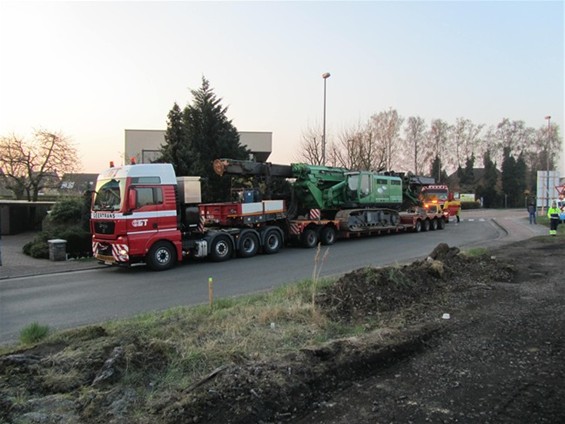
439 194
145 214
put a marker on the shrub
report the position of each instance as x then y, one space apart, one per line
33 333
79 242
38 250
65 221
66 211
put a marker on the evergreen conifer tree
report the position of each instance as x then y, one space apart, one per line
490 192
176 147
197 136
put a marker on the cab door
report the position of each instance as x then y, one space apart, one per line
145 217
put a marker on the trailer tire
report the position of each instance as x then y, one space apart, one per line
440 224
221 248
161 256
273 242
328 235
433 224
248 245
426 225
418 226
309 238
394 219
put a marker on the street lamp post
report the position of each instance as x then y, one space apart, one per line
325 76
548 117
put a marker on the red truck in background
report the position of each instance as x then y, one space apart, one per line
439 194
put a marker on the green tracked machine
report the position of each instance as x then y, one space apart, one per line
357 199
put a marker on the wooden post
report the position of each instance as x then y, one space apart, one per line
211 291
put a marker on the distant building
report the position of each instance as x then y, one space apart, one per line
145 145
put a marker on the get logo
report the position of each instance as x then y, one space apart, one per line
139 223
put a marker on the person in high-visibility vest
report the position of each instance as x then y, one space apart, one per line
553 215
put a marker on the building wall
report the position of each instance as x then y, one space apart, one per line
144 145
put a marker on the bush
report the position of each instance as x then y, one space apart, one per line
66 211
33 333
79 242
64 221
38 250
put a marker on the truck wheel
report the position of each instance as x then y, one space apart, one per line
418 226
161 256
426 225
309 238
433 224
328 236
440 224
221 249
248 245
273 242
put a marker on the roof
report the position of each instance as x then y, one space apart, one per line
77 182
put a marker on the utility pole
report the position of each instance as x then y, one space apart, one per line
325 76
548 117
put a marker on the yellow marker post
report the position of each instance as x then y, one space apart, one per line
211 291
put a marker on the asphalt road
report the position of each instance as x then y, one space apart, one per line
72 299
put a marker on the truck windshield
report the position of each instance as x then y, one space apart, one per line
107 197
434 195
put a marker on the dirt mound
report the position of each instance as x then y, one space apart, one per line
365 294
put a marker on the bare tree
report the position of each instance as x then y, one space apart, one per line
311 147
385 126
26 167
357 149
415 143
464 141
512 135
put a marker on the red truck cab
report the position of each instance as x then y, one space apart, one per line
439 194
134 216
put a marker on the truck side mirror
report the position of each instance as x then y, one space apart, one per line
450 197
132 199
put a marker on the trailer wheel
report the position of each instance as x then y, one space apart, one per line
433 224
426 225
221 249
161 256
394 219
273 242
248 245
418 226
328 235
309 238
440 224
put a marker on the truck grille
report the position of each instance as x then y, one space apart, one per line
104 227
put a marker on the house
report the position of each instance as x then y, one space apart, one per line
76 184
478 180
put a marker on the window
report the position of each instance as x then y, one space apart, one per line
146 180
148 196
365 185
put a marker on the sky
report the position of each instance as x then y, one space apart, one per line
90 70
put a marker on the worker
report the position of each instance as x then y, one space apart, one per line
532 212
553 215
